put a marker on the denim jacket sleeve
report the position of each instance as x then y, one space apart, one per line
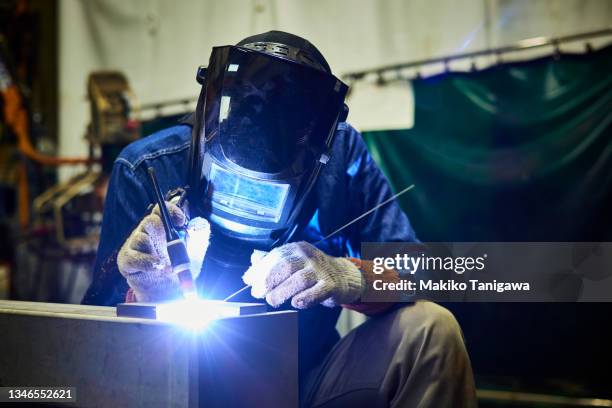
368 187
126 203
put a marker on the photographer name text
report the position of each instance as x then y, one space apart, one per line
450 285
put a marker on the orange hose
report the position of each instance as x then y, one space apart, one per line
16 117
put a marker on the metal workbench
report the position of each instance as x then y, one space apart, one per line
117 361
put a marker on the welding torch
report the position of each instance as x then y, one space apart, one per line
177 252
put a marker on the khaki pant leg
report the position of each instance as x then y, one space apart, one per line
413 356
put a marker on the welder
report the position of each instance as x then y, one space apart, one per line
265 167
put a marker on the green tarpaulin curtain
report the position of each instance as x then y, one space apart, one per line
516 152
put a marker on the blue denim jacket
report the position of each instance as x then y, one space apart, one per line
349 184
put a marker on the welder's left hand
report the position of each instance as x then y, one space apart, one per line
303 273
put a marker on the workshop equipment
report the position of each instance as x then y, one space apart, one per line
114 109
15 114
241 361
177 252
64 233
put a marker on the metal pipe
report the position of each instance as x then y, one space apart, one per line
164 104
522 45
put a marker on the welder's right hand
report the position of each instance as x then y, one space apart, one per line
143 259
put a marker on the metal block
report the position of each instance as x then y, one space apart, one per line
245 360
155 310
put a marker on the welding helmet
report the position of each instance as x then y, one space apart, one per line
264 126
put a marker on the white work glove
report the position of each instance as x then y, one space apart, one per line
301 272
143 259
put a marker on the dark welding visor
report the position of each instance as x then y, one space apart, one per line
268 125
268 114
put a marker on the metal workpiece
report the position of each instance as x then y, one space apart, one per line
156 310
243 360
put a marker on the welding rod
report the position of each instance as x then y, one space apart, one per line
177 252
371 210
354 220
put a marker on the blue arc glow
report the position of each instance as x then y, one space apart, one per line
193 313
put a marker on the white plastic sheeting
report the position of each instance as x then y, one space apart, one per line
385 106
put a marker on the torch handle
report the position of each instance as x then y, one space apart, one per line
171 233
177 252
